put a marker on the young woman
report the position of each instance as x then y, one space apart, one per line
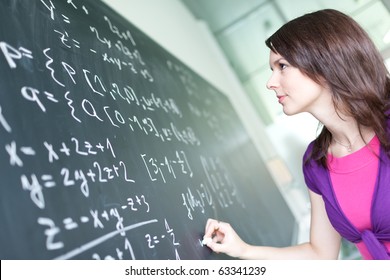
324 63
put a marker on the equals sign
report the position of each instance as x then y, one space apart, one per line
65 18
69 224
48 181
25 52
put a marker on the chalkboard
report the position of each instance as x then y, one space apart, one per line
111 148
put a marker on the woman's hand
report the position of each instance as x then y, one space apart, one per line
223 239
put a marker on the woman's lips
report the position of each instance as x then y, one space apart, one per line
281 98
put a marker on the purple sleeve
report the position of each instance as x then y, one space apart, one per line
308 171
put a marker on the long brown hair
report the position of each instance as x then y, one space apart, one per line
329 45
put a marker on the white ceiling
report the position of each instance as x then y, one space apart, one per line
241 27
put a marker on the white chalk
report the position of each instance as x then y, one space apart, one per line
206 240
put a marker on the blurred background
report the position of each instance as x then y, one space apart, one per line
241 27
223 41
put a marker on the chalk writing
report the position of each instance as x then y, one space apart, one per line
66 40
134 203
154 240
160 168
102 239
50 7
4 122
11 54
125 35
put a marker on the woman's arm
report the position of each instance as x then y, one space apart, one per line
324 239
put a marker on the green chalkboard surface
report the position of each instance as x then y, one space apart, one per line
111 148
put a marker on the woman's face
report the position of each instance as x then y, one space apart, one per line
295 91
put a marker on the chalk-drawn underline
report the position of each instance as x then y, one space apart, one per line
100 240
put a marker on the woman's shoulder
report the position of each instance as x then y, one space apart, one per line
310 169
307 154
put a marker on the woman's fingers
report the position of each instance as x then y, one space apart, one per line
215 231
222 238
216 247
212 226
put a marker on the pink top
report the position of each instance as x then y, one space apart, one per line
354 178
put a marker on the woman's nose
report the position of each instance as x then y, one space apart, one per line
272 82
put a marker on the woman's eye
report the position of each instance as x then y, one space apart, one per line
282 66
